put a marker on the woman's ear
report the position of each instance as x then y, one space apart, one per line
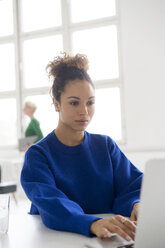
56 105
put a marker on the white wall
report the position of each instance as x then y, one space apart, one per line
142 25
143 61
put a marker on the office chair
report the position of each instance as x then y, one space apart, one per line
7 187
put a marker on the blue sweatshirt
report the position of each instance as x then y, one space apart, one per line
66 184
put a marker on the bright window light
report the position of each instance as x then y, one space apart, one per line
85 10
107 117
7 67
44 31
8 125
100 45
37 54
6 17
45 113
40 14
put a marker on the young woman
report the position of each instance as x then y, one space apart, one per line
71 174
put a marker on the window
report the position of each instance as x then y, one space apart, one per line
7 60
32 33
48 14
6 17
100 45
107 117
81 9
8 121
36 55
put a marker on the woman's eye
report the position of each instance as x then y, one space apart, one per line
74 103
91 103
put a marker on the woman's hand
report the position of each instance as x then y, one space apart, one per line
134 214
103 228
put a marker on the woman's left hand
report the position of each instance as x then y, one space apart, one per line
134 214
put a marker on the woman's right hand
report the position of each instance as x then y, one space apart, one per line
103 228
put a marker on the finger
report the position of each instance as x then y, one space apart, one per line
127 223
116 229
127 226
104 233
130 225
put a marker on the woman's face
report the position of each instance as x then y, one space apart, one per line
76 107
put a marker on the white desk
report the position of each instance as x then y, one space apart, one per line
27 231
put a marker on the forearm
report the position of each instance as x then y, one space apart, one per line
77 223
56 210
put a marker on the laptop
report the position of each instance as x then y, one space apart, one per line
151 221
24 142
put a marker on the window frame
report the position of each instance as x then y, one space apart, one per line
66 30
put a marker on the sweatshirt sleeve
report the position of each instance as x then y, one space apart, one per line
127 181
55 208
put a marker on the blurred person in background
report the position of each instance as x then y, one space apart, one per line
33 129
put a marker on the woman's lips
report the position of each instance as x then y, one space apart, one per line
81 121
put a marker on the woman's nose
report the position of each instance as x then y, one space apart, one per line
83 110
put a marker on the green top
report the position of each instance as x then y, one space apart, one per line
34 129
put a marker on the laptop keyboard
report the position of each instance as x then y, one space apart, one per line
126 246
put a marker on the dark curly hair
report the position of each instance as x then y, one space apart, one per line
65 68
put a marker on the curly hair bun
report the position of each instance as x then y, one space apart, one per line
64 62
